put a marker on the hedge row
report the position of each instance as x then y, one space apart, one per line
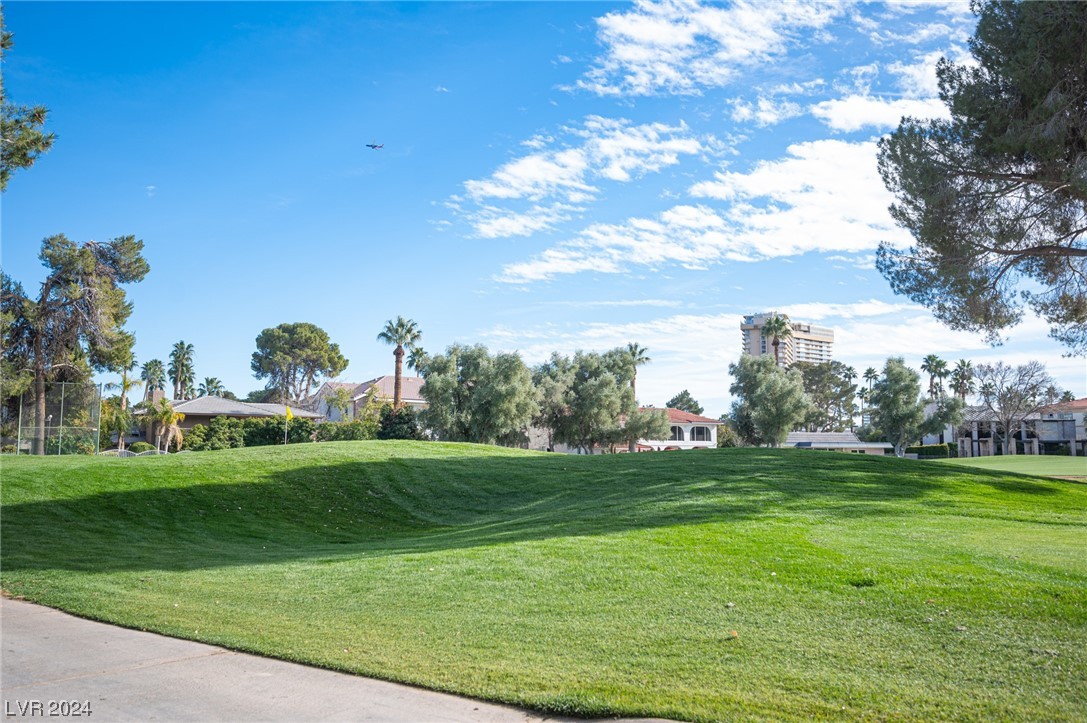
230 433
934 451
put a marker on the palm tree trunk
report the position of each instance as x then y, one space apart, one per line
398 353
39 412
777 360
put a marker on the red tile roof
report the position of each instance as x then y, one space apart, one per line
678 416
1077 405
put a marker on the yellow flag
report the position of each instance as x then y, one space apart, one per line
289 415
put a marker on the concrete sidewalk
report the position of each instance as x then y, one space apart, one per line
50 657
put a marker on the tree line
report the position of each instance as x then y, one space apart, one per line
772 401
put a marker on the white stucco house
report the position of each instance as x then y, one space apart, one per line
688 431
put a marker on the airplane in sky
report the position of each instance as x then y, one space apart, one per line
375 146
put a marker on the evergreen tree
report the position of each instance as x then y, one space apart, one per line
684 402
77 319
996 196
21 127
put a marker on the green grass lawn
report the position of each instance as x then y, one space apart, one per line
706 585
1047 465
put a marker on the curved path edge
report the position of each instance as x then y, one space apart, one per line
52 660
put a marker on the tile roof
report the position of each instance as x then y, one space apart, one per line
832 440
678 416
1076 405
984 414
220 407
409 388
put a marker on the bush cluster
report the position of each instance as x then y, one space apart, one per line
933 451
229 433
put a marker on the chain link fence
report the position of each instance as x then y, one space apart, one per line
66 421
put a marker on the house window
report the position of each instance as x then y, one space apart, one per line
677 434
700 434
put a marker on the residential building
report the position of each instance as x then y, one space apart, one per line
1056 429
204 409
836 442
380 387
808 343
1062 428
688 431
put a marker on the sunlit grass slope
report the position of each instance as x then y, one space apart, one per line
1050 465
729 584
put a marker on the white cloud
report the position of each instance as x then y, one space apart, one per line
864 261
558 180
825 196
494 222
918 79
562 174
860 111
765 112
682 46
820 311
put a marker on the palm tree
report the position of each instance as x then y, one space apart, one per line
180 371
638 356
871 376
936 368
115 419
211 387
153 375
402 333
962 379
777 327
417 359
163 414
126 385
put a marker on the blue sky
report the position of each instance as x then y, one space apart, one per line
555 176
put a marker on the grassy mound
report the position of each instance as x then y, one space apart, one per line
703 585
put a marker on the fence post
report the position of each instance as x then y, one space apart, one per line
60 440
98 423
19 433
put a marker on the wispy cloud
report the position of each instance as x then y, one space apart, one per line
683 46
765 111
824 196
866 111
558 179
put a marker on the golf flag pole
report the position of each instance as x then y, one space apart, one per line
287 422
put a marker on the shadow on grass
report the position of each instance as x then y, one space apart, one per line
394 506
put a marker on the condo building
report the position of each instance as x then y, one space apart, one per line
808 343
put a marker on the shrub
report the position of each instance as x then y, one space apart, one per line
137 447
355 430
931 451
398 423
72 442
265 431
196 439
224 433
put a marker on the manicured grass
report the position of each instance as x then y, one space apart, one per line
706 585
1046 465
